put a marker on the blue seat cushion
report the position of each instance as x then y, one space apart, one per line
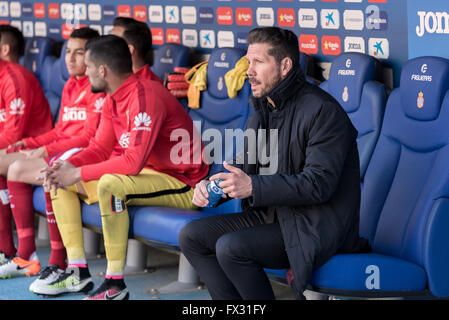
39 199
369 271
91 216
161 224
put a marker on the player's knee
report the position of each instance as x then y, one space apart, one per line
110 184
15 170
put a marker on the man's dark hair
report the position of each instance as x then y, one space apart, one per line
85 33
112 51
284 43
137 34
14 37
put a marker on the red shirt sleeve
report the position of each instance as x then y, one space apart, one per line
90 127
18 100
101 146
43 139
145 121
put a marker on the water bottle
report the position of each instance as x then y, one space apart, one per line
215 192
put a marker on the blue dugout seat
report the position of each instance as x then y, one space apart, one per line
405 196
169 56
54 77
37 49
352 83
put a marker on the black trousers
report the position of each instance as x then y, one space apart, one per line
230 251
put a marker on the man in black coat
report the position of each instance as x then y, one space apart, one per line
300 208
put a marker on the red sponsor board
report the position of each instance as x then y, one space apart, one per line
377 1
244 16
140 13
286 17
173 36
67 29
331 45
39 10
4 22
308 43
157 35
53 10
224 15
124 11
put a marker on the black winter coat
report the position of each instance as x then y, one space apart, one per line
316 188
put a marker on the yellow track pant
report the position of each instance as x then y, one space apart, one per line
115 192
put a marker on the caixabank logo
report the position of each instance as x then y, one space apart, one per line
428 28
379 48
4 9
330 19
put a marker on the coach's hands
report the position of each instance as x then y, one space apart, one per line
237 184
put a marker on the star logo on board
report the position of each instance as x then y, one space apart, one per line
378 47
330 18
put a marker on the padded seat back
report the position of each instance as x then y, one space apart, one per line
36 51
351 83
405 197
55 70
169 56
220 119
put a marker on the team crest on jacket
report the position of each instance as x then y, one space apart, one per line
81 96
142 121
124 140
17 106
99 105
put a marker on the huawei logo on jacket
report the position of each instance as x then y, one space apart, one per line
99 104
124 140
142 122
17 106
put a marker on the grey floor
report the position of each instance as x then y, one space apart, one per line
162 269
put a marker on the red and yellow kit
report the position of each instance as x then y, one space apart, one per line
79 116
140 116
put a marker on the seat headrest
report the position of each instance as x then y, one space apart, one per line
348 74
168 56
220 62
36 50
424 83
65 72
